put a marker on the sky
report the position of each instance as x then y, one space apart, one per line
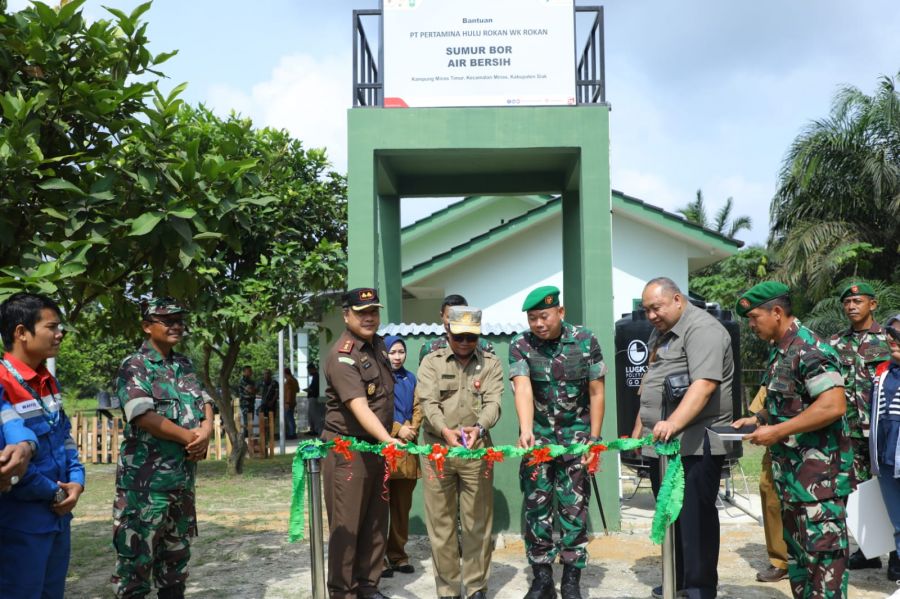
704 94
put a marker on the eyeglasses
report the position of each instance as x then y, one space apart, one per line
169 322
464 337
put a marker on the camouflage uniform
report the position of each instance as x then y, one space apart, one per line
860 354
560 371
154 513
441 342
812 470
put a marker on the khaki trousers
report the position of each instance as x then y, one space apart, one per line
466 485
771 511
357 523
398 534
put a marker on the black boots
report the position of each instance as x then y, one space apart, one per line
542 585
571 579
893 569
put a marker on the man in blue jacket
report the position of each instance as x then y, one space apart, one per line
35 514
17 445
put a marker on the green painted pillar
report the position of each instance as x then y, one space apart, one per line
388 268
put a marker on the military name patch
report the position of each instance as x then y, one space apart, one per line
448 376
346 360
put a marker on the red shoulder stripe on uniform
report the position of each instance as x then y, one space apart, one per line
346 347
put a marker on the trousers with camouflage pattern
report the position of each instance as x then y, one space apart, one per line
151 535
816 536
564 480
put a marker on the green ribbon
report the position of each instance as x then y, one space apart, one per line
668 500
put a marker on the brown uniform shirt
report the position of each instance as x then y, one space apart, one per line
356 368
453 396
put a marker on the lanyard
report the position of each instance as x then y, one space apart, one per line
52 417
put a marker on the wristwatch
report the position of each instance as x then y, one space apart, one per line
597 439
33 447
480 430
60 495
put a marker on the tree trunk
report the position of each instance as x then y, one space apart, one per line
221 394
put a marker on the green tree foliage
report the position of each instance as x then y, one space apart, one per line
836 212
725 281
270 271
111 190
723 224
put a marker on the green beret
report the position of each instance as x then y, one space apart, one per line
858 289
760 294
542 297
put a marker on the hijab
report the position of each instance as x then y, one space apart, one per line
404 385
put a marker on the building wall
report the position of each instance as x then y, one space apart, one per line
641 253
487 212
498 279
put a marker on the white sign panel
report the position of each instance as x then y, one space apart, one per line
478 52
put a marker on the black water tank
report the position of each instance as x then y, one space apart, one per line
632 332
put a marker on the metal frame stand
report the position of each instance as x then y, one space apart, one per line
668 546
316 537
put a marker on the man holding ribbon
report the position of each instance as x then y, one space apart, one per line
687 388
557 371
360 404
36 513
460 388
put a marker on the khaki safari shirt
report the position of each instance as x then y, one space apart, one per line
699 345
453 396
356 368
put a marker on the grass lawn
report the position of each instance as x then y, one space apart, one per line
241 519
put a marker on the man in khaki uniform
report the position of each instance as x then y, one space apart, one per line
771 504
360 404
459 389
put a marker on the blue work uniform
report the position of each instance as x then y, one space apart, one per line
35 541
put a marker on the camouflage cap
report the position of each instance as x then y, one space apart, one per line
463 319
540 298
759 294
858 289
161 306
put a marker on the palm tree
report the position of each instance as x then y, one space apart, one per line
695 212
837 208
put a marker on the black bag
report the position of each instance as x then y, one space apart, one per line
676 385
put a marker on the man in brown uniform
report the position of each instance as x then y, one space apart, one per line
360 404
459 388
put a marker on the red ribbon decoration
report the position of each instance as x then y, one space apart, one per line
539 455
391 455
491 456
437 455
342 447
595 451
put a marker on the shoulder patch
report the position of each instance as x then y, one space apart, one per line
346 360
346 347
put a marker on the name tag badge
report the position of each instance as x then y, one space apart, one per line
27 406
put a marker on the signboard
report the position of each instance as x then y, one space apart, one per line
478 52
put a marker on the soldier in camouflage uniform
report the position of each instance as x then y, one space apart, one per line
557 371
861 348
804 427
169 421
441 342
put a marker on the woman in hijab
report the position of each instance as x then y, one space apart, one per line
407 419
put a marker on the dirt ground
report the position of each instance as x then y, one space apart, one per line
243 552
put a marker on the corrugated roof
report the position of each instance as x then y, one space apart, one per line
406 329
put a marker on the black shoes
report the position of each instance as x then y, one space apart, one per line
858 561
771 574
542 585
893 569
404 568
658 594
480 594
570 588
